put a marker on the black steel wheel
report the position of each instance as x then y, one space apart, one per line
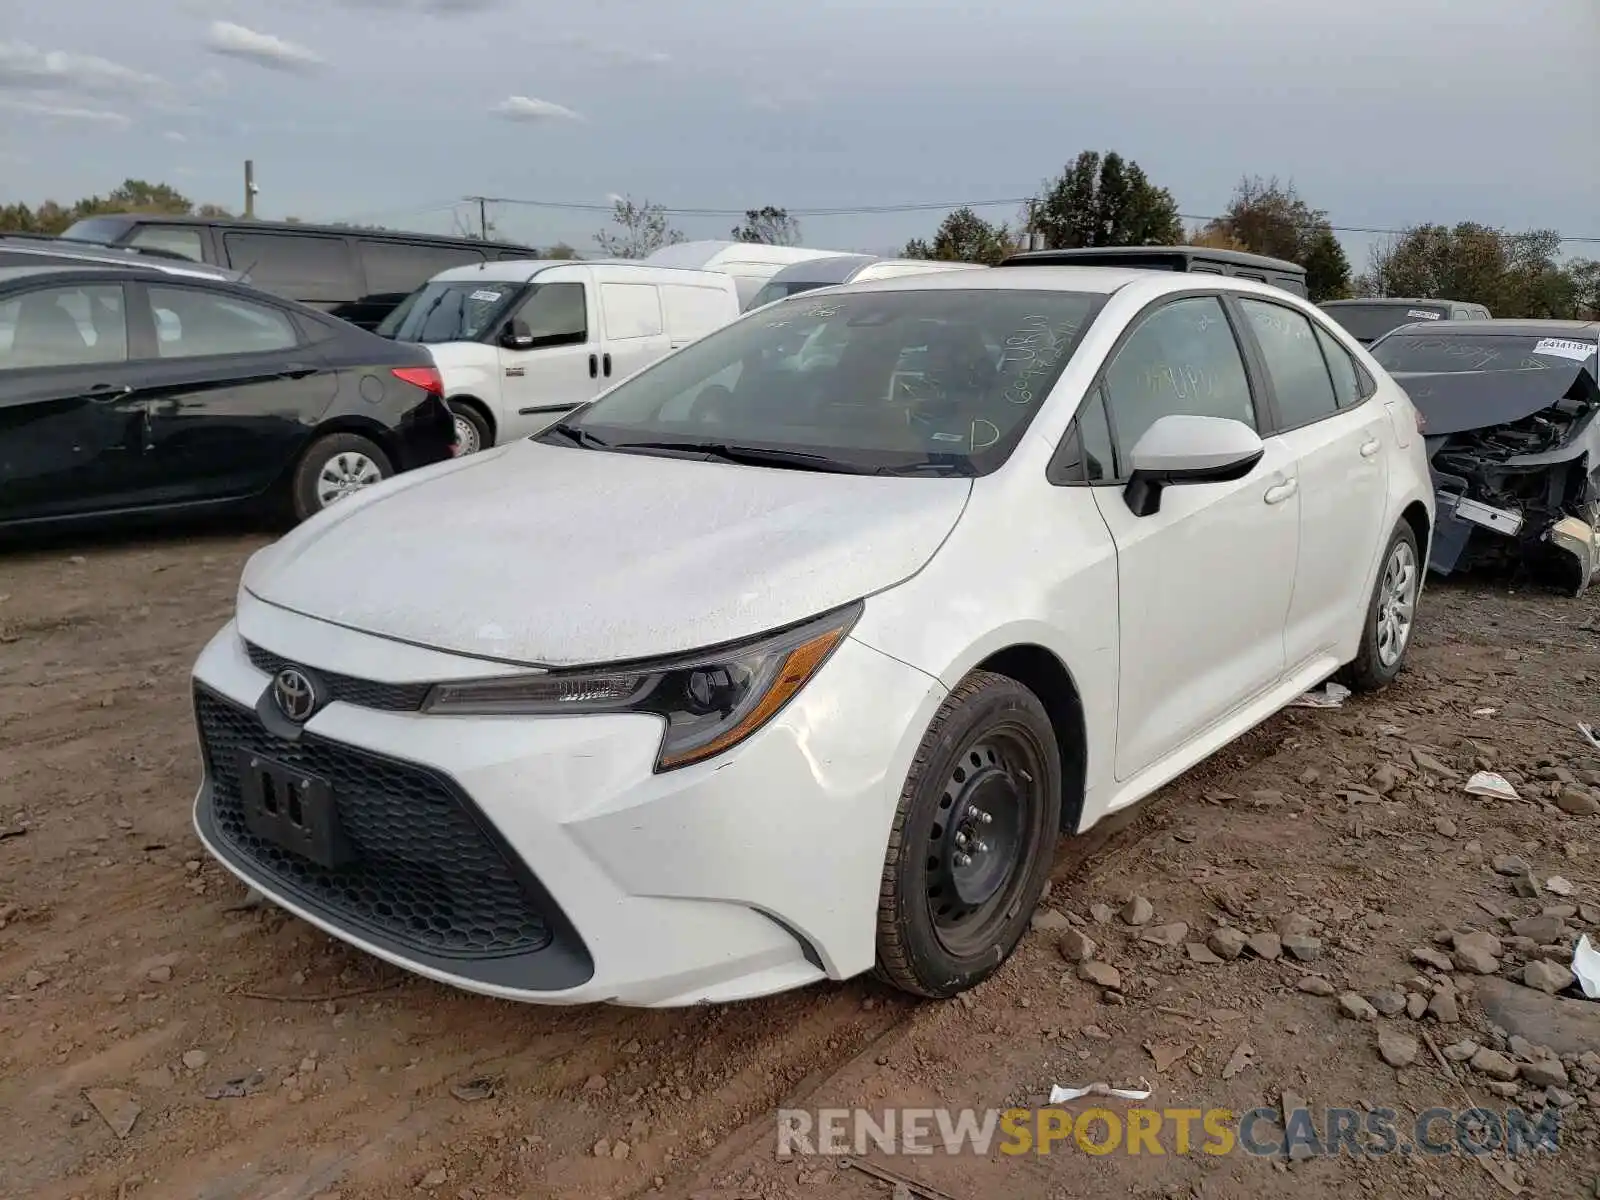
972 841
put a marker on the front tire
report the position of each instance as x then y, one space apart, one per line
973 839
1391 615
334 467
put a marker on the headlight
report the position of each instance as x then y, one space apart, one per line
711 701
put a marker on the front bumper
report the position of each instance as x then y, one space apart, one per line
540 859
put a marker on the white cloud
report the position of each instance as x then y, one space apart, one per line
525 108
172 135
23 66
263 49
57 113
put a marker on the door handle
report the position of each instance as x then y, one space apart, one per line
1278 493
106 393
606 359
594 366
1369 448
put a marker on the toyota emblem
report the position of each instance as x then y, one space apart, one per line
295 694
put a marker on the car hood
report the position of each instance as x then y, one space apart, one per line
553 556
1460 401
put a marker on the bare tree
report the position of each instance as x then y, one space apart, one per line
642 229
773 226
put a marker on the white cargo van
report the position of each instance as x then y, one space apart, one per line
520 343
750 264
845 268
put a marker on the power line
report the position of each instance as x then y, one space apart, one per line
862 210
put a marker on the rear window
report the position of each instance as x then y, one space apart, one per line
1368 322
777 291
96 229
1442 353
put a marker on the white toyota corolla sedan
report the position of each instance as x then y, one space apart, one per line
791 656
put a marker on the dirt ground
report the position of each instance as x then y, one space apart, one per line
159 1039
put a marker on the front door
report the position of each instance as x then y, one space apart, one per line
231 392
1340 446
561 370
72 423
1204 584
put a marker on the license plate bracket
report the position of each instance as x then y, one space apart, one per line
292 809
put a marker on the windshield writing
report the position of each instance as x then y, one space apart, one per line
459 311
1442 353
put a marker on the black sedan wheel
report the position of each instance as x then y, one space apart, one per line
973 839
335 467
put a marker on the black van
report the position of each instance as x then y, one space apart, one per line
355 274
1203 260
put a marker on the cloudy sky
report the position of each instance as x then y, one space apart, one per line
1383 112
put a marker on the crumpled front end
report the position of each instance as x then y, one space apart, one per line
1524 494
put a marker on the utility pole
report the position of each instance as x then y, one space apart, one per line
483 214
249 188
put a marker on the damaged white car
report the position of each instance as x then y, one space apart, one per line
1512 424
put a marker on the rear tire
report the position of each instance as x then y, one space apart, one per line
472 430
1391 615
334 467
973 839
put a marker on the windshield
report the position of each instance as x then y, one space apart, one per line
1477 352
1367 322
387 326
454 311
778 291
865 381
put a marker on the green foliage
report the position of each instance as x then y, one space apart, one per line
771 226
1105 201
1513 274
642 229
964 236
559 250
132 196
1268 217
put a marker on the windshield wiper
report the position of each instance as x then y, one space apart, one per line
575 435
748 455
930 467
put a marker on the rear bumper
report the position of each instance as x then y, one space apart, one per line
426 435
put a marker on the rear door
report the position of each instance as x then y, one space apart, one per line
72 420
634 332
231 388
1340 440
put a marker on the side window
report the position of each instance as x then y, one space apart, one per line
693 312
63 327
1086 454
1346 381
1182 359
175 239
1298 371
1256 275
1292 284
1206 269
400 267
630 310
191 323
556 315
300 266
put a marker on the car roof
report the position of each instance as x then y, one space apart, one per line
1509 326
837 268
1400 301
1099 280
1239 258
251 224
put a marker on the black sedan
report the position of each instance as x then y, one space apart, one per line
128 390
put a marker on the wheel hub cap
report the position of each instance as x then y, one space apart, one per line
978 842
344 474
1396 604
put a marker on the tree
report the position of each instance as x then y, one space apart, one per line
1268 217
773 226
1585 276
132 195
559 250
1214 239
1105 201
964 236
1513 274
642 229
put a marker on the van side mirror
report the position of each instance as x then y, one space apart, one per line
515 335
1180 449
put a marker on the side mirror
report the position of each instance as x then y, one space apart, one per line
1183 449
515 335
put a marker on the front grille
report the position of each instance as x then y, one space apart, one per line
389 697
426 874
